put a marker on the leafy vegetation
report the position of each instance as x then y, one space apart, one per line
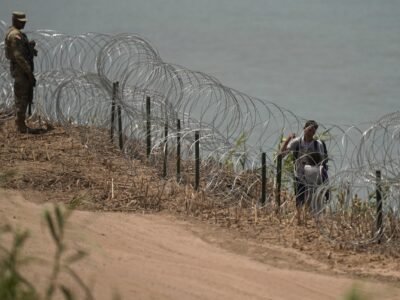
15 286
355 294
6 176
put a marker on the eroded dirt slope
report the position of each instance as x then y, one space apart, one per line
160 256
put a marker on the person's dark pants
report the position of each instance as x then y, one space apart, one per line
325 180
23 92
300 190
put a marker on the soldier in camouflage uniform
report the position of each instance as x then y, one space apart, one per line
20 51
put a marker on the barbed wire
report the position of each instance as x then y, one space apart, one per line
75 76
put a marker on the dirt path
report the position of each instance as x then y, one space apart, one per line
157 257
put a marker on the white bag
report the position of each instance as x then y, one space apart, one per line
313 175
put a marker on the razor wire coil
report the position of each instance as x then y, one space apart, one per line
75 76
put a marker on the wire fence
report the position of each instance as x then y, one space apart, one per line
76 77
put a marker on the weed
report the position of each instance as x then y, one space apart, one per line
6 177
15 286
355 294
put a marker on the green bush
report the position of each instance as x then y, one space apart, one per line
15 286
355 294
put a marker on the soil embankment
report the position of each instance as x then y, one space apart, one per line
160 255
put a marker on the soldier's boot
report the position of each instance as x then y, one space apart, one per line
21 126
20 123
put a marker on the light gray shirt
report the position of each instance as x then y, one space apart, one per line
310 153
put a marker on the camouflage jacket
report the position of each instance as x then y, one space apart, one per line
18 52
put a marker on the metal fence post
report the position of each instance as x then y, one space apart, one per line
263 178
121 143
165 149
114 95
278 181
148 127
178 151
379 214
197 159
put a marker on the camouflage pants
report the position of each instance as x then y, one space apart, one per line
23 92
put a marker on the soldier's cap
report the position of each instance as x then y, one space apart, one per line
311 123
20 16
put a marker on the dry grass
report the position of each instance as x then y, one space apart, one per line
81 168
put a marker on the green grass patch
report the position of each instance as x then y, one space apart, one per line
6 176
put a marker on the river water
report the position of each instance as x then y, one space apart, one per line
334 61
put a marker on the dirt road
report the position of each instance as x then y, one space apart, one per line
158 257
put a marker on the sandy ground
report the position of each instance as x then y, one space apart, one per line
160 257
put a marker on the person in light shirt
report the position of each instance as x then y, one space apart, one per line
309 164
